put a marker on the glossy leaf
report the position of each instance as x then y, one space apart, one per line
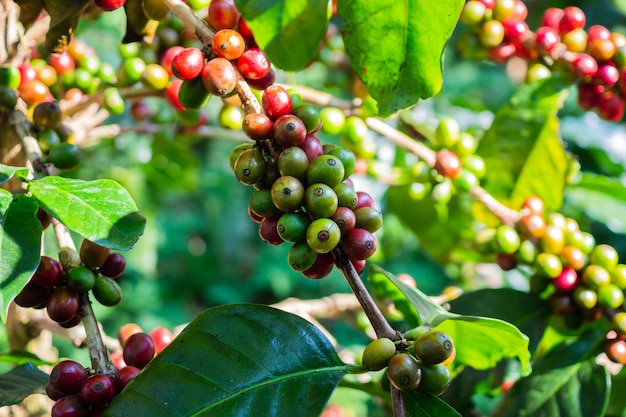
601 198
526 311
422 404
522 149
5 200
101 211
64 17
7 172
288 31
20 248
384 288
21 357
566 383
21 382
396 47
238 360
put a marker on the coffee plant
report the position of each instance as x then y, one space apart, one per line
443 240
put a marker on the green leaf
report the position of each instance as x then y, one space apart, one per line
288 31
422 404
601 198
5 200
101 211
7 172
563 384
482 342
20 248
385 288
64 17
526 311
522 149
29 11
396 47
21 382
21 357
238 360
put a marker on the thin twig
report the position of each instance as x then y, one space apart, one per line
202 31
398 403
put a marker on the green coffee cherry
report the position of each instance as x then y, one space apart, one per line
301 257
250 166
433 347
287 193
80 279
326 169
320 200
294 162
323 235
292 227
377 354
107 291
261 203
435 378
403 372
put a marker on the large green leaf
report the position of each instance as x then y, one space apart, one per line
21 357
384 288
481 342
422 404
20 248
565 383
21 382
7 172
289 31
522 150
5 200
601 198
396 47
238 360
101 211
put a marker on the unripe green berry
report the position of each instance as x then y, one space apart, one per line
377 354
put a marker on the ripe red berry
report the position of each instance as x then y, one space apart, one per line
573 18
168 57
364 200
171 94
138 350
253 64
32 296
268 231
546 38
263 82
188 63
70 406
228 44
566 281
49 273
313 147
584 65
63 304
113 266
276 102
243 28
515 29
109 5
98 390
257 126
161 337
598 32
322 266
551 17
289 130
359 244
219 76
124 375
589 95
222 14
448 164
67 377
607 75
611 107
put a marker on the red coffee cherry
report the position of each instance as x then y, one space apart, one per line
188 63
448 164
322 266
359 244
98 390
139 350
109 5
161 337
93 255
546 38
253 64
49 273
219 76
551 17
566 281
257 126
611 107
33 296
573 18
70 406
263 82
113 266
67 377
289 130
276 102
63 304
228 44
223 14
168 57
124 375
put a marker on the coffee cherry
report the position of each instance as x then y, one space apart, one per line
52 393
293 162
250 166
435 378
604 256
80 279
301 257
527 252
610 296
219 76
507 239
491 33
359 244
573 18
62 304
126 331
320 200
368 218
107 291
403 372
257 126
618 276
139 350
345 219
47 115
576 40
333 120
98 390
532 225
228 44
615 350
222 14
155 76
113 266
124 375
67 377
322 266
253 64
289 130
32 296
566 281
309 116
433 347
323 235
276 102
346 195
553 240
188 63
70 406
49 273
65 155
574 257
327 169
162 337
268 230
473 13
364 200
546 38
93 255
595 276
548 264
292 227
312 147
264 82
377 354
585 297
287 193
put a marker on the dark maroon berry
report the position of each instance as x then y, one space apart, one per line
263 82
359 244
63 304
67 377
289 130
268 230
113 266
139 350
312 146
345 219
32 296
322 266
70 406
97 390
124 375
276 102
52 393
74 321
359 265
253 64
44 218
49 273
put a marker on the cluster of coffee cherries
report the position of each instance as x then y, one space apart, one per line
595 56
417 364
59 291
581 279
81 392
304 194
